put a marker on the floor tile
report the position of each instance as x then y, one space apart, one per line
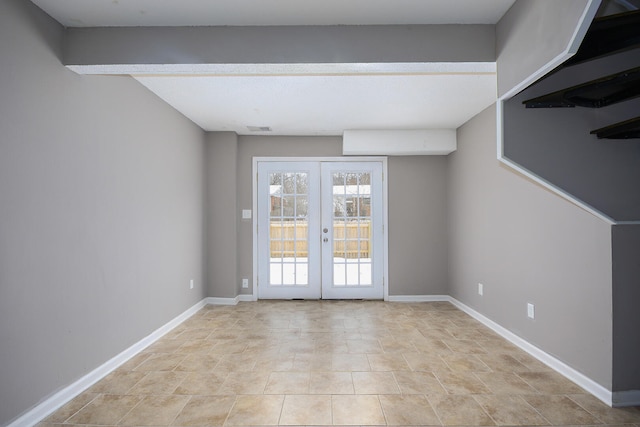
560 410
287 383
158 383
161 362
68 410
375 383
312 362
550 382
244 383
198 363
459 411
510 410
499 362
461 383
413 409
364 346
350 362
464 363
205 411
357 410
331 383
334 362
155 411
464 346
388 362
105 410
118 382
256 411
605 413
202 384
418 383
505 383
195 347
425 362
306 410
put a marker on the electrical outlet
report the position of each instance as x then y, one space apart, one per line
531 311
245 283
191 284
480 289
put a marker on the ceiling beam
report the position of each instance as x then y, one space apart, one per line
131 47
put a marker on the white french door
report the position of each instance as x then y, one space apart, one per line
320 230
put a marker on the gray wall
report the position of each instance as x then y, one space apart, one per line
527 245
221 214
101 187
532 33
626 316
418 225
417 211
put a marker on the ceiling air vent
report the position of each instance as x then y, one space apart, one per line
259 128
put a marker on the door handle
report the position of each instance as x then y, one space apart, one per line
325 230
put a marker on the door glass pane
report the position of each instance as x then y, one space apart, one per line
288 229
352 229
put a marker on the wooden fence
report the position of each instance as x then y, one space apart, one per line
289 240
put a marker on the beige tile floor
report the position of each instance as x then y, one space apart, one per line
334 363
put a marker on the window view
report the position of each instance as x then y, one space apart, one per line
288 228
351 229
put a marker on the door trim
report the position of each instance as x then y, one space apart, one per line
254 207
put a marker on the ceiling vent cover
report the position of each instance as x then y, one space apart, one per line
259 128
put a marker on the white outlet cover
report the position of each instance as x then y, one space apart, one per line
531 311
480 289
246 213
245 283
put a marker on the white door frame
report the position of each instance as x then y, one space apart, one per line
254 171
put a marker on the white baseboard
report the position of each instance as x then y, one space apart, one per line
56 401
626 398
580 379
230 301
418 298
221 301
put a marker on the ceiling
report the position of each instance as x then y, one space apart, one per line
316 101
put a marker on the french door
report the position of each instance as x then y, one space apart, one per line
320 230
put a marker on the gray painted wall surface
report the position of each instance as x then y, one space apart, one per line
556 144
221 214
527 245
417 203
418 225
532 33
280 45
626 316
101 188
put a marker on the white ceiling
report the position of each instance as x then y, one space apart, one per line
315 101
326 105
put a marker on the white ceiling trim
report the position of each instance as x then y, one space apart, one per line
424 68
